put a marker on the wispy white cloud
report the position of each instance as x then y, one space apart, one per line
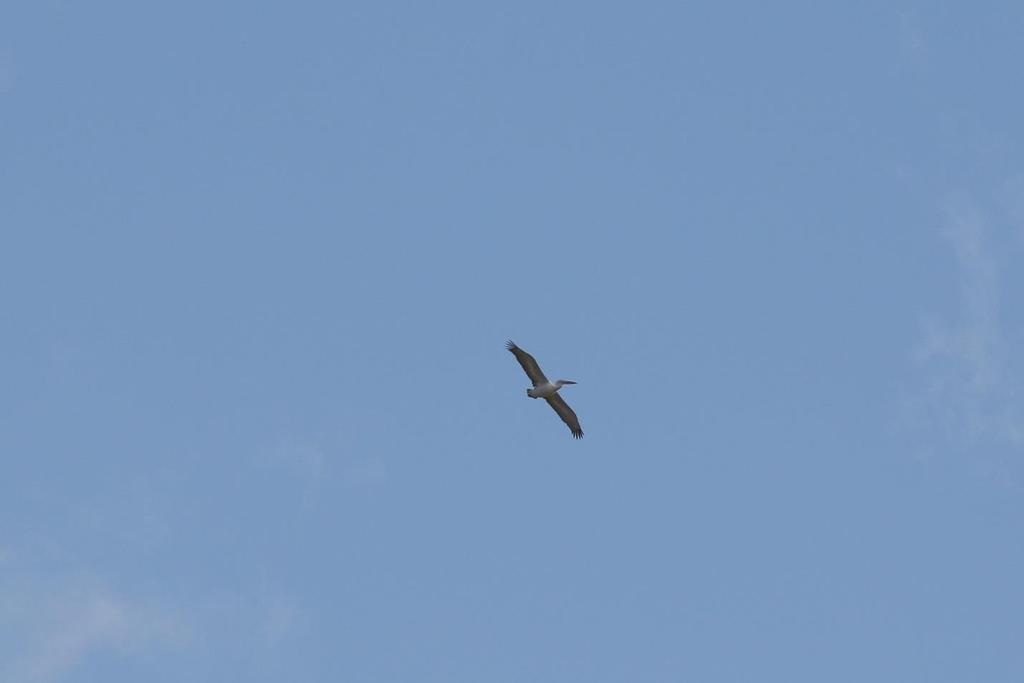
305 464
51 628
974 342
311 466
912 38
256 619
280 616
969 362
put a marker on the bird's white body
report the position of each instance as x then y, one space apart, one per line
547 389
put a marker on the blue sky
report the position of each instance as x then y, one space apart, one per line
259 263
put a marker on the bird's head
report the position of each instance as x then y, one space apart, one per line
563 382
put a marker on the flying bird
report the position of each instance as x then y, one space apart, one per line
546 390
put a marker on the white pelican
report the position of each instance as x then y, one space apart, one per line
546 390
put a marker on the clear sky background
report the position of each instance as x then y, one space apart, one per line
259 262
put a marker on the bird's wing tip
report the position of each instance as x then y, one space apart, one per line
510 345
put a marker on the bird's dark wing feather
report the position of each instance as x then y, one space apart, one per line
567 415
528 363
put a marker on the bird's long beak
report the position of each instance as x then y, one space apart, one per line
568 381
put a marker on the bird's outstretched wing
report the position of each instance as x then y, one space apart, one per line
528 363
567 415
